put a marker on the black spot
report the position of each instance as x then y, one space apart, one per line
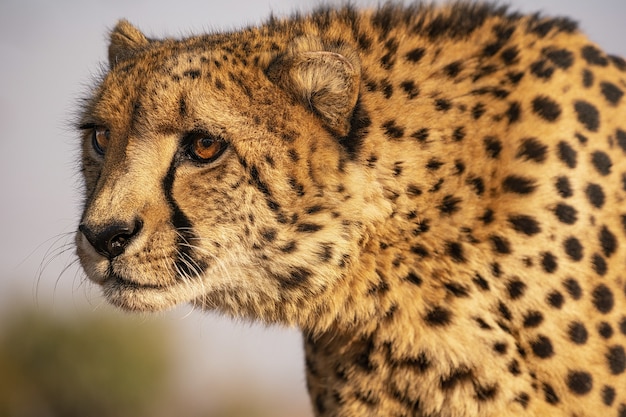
459 166
608 395
563 187
193 74
514 367
599 264
295 278
269 235
453 69
415 55
290 247
621 139
413 278
546 108
578 333
413 190
622 326
601 162
410 89
455 251
420 251
182 107
308 227
392 130
573 248
588 115
484 393
457 289
608 241
605 330
442 104
541 26
496 271
450 205
482 324
482 283
616 357
566 213
513 112
504 311
611 92
542 347
525 224
603 299
515 77
573 288
438 316
581 138
459 134
477 184
555 299
587 78
548 262
489 216
532 150
567 154
533 319
509 55
434 164
542 69
595 194
619 62
594 56
364 359
518 185
550 394
516 288
456 377
478 110
421 135
562 58
579 382
493 146
500 244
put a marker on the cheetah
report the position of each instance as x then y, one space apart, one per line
434 195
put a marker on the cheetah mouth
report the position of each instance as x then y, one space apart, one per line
122 283
139 297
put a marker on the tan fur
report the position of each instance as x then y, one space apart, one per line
435 196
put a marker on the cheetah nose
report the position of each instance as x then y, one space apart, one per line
111 240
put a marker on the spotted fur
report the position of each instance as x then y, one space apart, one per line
435 196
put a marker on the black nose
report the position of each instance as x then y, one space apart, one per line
111 240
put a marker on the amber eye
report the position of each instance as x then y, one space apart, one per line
204 147
100 139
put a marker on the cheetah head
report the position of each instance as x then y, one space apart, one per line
219 172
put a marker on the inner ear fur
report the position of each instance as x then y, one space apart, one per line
125 41
325 79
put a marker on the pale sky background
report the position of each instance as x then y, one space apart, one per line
49 53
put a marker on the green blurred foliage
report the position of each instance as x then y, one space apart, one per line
89 365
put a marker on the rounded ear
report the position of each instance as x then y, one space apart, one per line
326 80
125 40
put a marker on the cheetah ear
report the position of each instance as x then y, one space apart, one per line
324 79
126 39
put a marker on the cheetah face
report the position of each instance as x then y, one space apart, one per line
197 188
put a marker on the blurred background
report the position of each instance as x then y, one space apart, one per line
63 351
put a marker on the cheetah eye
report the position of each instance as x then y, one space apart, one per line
204 147
100 139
